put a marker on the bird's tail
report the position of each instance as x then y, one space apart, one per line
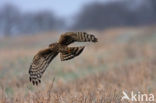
71 52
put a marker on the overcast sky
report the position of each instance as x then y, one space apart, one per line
63 8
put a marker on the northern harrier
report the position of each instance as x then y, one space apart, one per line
43 58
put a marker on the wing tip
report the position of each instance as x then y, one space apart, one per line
35 81
95 40
81 49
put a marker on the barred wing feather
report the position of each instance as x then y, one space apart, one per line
71 37
40 62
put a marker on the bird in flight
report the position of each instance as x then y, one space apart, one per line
43 58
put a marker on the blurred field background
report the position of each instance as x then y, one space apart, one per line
123 59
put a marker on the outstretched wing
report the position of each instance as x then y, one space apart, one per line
71 53
39 64
70 37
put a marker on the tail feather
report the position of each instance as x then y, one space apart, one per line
71 53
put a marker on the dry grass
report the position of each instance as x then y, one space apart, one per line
124 59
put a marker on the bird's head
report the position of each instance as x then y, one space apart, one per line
53 45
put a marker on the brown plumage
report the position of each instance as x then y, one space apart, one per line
43 58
